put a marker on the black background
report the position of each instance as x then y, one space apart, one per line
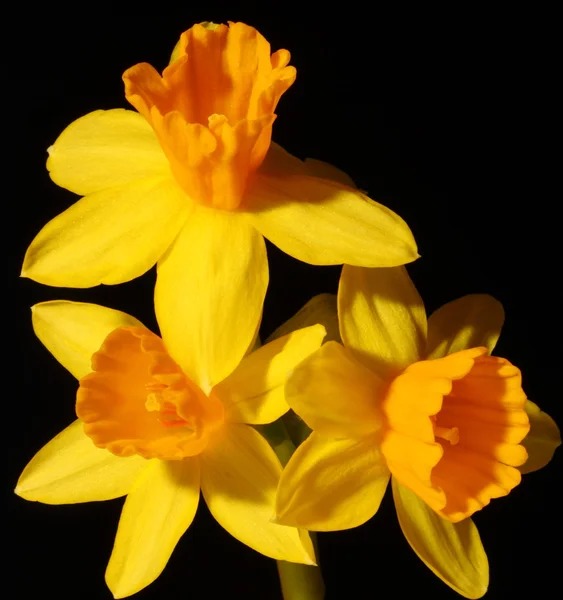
448 118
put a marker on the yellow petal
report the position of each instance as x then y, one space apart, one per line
110 236
382 317
324 170
70 469
280 163
452 551
157 512
471 321
254 392
103 149
334 394
542 441
209 294
320 309
239 478
325 223
73 331
332 484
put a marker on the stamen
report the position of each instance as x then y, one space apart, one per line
170 418
168 415
451 434
173 420
153 402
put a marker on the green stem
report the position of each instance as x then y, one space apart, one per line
301 582
298 582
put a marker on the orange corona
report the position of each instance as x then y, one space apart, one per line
213 108
138 401
453 430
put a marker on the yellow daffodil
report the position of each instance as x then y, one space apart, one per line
420 401
193 176
149 430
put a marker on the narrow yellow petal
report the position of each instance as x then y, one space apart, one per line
382 317
319 309
452 551
542 441
103 149
254 392
325 223
70 469
331 484
157 512
209 294
336 395
471 321
73 331
110 236
239 478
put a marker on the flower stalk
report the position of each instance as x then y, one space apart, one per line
298 582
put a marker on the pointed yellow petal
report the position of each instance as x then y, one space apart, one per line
70 469
382 317
157 512
324 170
542 441
209 294
332 484
280 163
325 223
111 236
254 392
239 478
320 309
73 331
469 322
103 149
452 551
334 394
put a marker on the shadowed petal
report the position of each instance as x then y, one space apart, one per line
382 318
452 551
471 321
239 478
542 440
332 484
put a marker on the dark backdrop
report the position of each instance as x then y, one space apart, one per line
446 118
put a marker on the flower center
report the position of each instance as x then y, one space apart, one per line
138 401
454 427
164 402
450 434
213 108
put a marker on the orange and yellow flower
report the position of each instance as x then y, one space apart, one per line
193 177
421 401
154 428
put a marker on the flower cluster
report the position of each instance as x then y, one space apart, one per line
190 181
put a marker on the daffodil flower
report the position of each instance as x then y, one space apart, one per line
423 402
148 430
193 177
